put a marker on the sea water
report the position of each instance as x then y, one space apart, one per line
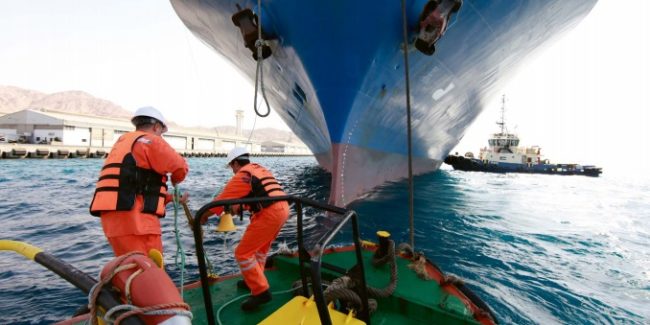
538 249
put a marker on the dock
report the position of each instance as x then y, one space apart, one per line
44 151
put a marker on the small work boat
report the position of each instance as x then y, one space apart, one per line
505 156
361 282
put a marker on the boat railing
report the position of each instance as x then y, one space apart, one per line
313 260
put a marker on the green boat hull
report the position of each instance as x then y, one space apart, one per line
414 301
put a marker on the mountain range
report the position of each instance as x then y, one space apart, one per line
13 99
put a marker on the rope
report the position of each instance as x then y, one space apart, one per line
179 246
342 288
250 135
389 258
190 221
418 261
339 289
259 74
161 309
408 121
127 292
156 310
97 288
244 296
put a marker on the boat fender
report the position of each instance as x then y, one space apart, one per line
146 289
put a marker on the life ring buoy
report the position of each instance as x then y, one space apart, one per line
147 287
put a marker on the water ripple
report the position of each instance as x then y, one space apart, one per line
538 249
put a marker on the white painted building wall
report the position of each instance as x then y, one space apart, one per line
47 135
302 150
116 135
76 136
227 145
176 142
204 144
7 135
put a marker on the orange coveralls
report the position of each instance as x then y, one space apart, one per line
262 230
134 230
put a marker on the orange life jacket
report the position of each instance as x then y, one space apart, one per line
120 180
263 184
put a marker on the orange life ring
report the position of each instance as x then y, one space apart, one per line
143 284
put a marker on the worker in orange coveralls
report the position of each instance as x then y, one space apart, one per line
253 180
131 192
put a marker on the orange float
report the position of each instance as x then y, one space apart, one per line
147 288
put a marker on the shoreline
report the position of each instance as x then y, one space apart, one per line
49 151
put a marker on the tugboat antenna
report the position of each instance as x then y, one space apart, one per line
502 122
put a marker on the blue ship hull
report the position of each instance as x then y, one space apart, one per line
336 75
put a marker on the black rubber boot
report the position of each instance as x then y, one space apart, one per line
251 303
241 284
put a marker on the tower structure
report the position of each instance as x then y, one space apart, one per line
239 116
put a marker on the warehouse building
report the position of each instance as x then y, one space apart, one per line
284 147
39 126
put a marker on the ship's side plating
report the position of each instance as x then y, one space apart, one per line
336 75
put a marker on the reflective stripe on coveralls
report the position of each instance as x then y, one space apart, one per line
253 180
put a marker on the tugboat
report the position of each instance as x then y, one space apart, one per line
503 155
354 282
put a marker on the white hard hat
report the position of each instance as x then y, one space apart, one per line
149 111
235 153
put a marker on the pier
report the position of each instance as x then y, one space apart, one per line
41 151
41 133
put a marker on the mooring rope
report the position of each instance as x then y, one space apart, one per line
259 74
408 122
156 310
244 296
342 288
179 245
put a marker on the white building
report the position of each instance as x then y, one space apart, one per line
284 147
40 126
68 129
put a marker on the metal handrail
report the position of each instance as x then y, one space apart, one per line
315 261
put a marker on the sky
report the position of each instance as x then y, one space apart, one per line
133 53
585 99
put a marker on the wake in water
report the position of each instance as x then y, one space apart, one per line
538 249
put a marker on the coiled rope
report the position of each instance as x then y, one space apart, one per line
157 310
161 309
342 288
97 288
